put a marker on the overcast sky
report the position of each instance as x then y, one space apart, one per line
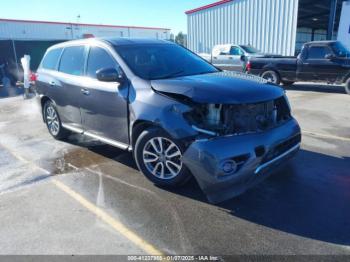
157 13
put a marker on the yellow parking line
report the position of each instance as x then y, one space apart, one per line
326 136
115 224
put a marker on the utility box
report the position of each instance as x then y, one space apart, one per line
344 25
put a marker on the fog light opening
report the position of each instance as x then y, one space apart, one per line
229 167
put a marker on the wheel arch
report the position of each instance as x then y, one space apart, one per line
43 100
138 127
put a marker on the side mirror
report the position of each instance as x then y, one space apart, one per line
243 58
329 56
109 75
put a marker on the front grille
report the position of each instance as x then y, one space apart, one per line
250 118
240 118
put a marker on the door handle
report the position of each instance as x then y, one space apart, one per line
85 91
230 58
52 83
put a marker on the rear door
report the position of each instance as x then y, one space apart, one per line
67 85
104 104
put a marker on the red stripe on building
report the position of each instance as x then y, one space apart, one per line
207 6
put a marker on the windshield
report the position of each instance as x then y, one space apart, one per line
159 61
340 50
249 49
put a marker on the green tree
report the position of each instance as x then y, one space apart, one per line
180 39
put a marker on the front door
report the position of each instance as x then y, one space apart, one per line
104 105
316 67
230 61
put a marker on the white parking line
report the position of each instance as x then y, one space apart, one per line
309 133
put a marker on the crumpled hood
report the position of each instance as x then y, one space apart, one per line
220 88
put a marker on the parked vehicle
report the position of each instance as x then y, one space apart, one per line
231 57
177 113
323 61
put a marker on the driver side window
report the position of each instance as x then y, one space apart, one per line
98 59
236 51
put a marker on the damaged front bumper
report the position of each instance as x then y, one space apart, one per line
252 158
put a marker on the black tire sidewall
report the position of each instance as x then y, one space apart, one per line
62 132
347 86
278 79
145 136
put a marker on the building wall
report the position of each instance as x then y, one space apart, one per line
307 34
344 26
27 30
269 25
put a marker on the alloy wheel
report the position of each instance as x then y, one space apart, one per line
162 158
52 120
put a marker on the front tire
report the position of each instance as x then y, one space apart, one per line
271 77
53 121
159 157
347 86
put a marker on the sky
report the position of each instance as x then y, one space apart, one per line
154 13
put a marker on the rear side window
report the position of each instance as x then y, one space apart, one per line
50 60
72 60
98 59
318 52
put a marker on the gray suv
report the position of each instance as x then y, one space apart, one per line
179 115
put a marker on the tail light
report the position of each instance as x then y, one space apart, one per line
32 77
248 66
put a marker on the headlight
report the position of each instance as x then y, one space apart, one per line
206 118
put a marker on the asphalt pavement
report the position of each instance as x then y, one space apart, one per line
82 197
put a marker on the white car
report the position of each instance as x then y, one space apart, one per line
231 57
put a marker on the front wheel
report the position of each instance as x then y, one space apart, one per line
271 77
159 157
53 121
347 86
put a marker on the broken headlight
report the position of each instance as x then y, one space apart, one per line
222 119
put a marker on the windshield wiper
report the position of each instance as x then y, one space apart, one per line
174 74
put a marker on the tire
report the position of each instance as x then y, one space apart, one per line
287 83
272 77
155 162
53 121
347 86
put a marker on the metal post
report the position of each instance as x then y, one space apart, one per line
16 59
331 20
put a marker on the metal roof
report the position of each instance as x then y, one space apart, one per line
207 6
132 41
79 24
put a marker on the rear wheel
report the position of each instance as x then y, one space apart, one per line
271 77
53 121
159 157
347 86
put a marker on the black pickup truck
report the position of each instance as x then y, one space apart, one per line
322 61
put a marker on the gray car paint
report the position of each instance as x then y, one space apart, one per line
144 101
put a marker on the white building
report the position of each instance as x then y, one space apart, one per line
344 27
273 26
45 30
20 37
